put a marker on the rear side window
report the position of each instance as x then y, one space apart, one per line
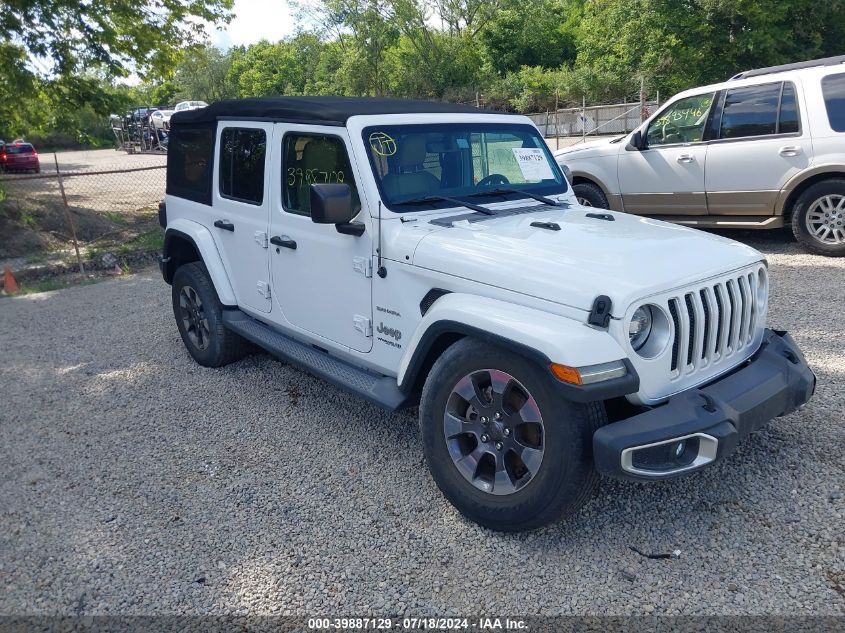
189 158
242 153
833 90
760 111
750 111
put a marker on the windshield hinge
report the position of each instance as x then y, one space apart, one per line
600 314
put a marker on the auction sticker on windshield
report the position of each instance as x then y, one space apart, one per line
533 163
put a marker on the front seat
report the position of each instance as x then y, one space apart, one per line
410 180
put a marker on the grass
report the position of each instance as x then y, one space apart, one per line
29 219
117 218
146 242
152 240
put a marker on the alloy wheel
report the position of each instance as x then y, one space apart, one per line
494 431
826 220
194 319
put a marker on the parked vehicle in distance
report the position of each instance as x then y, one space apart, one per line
434 254
19 156
184 106
161 119
762 150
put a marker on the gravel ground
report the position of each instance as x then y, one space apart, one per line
133 481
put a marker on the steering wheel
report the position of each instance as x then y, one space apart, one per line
493 179
672 133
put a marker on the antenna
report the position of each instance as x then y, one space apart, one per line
382 271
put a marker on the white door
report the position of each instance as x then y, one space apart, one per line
322 279
667 177
240 212
761 144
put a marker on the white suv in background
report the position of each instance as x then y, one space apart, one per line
761 150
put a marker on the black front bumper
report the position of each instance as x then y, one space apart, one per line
709 420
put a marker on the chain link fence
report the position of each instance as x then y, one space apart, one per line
81 206
595 120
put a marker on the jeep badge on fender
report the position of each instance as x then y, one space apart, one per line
539 358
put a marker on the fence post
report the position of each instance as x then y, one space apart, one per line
557 122
68 215
583 118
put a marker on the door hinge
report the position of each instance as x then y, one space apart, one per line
363 265
264 289
261 239
363 325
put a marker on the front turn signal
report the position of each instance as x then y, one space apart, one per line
565 373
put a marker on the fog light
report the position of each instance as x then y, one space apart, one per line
679 448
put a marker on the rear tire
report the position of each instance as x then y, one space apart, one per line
590 194
199 317
818 218
476 457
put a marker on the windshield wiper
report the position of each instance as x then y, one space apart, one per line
503 190
455 201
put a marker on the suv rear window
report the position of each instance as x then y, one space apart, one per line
833 90
189 159
242 153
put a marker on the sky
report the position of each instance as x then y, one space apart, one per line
255 20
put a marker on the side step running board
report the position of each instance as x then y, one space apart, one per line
380 390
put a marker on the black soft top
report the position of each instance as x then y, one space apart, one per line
321 110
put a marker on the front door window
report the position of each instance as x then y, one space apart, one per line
682 122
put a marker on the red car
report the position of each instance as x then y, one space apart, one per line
19 156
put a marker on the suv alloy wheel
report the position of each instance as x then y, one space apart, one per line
818 218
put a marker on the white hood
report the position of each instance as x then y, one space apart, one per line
590 148
627 259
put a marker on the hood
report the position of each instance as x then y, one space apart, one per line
590 148
626 259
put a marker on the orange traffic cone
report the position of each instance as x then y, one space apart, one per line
9 283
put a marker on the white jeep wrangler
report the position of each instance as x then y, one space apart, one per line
763 150
433 254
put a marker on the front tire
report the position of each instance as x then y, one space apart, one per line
502 445
818 218
590 194
199 317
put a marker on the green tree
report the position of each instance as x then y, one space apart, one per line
203 73
117 35
532 33
677 44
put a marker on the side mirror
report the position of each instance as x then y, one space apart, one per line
637 142
332 204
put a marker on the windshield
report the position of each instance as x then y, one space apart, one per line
457 160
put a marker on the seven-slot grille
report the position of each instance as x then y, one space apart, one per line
716 321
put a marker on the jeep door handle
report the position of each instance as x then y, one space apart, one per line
686 158
790 150
284 241
225 225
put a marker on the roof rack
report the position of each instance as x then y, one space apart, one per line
826 61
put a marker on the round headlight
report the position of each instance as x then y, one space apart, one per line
640 326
